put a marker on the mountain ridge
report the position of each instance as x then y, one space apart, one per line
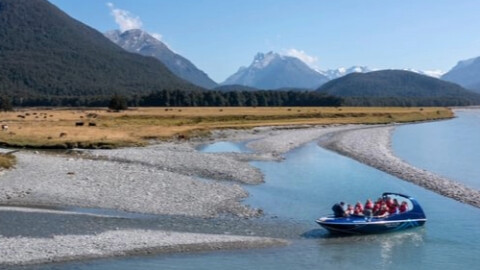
141 42
45 52
465 73
275 71
404 86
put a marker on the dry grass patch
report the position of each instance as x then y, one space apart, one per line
7 161
66 128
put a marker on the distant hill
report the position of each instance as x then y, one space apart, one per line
466 73
340 72
44 52
138 41
274 71
399 88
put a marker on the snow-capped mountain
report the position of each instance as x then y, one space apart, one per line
275 71
139 41
466 73
431 73
332 74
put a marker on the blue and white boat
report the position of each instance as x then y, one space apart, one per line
357 224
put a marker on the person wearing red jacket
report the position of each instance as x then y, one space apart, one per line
392 209
403 207
383 212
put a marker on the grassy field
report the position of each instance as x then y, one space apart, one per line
57 128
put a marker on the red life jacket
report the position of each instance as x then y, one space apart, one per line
382 212
369 205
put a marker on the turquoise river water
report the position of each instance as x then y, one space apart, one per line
310 179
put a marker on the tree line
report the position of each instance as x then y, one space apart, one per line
185 98
233 98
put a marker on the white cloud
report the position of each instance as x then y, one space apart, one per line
157 36
124 18
302 55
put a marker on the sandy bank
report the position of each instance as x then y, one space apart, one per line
372 146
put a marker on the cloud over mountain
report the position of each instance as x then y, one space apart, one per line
302 55
124 19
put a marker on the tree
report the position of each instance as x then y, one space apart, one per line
118 103
5 104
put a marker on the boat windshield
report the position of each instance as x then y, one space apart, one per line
400 199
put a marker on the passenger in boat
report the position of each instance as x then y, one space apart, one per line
393 209
367 212
403 207
338 210
377 206
350 210
358 209
369 204
383 212
395 201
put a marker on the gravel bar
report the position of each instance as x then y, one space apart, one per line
184 159
51 180
25 250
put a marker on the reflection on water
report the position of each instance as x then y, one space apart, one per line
382 249
393 244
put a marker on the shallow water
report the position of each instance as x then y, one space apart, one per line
303 187
221 147
450 148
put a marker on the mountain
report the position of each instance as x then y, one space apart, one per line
138 41
332 74
398 87
274 71
46 53
431 73
466 73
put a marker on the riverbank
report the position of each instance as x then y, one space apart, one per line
372 146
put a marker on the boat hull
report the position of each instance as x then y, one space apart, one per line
363 226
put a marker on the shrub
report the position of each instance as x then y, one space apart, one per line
118 103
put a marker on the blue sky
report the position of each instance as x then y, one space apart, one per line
220 36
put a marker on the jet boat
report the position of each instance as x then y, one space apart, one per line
359 224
